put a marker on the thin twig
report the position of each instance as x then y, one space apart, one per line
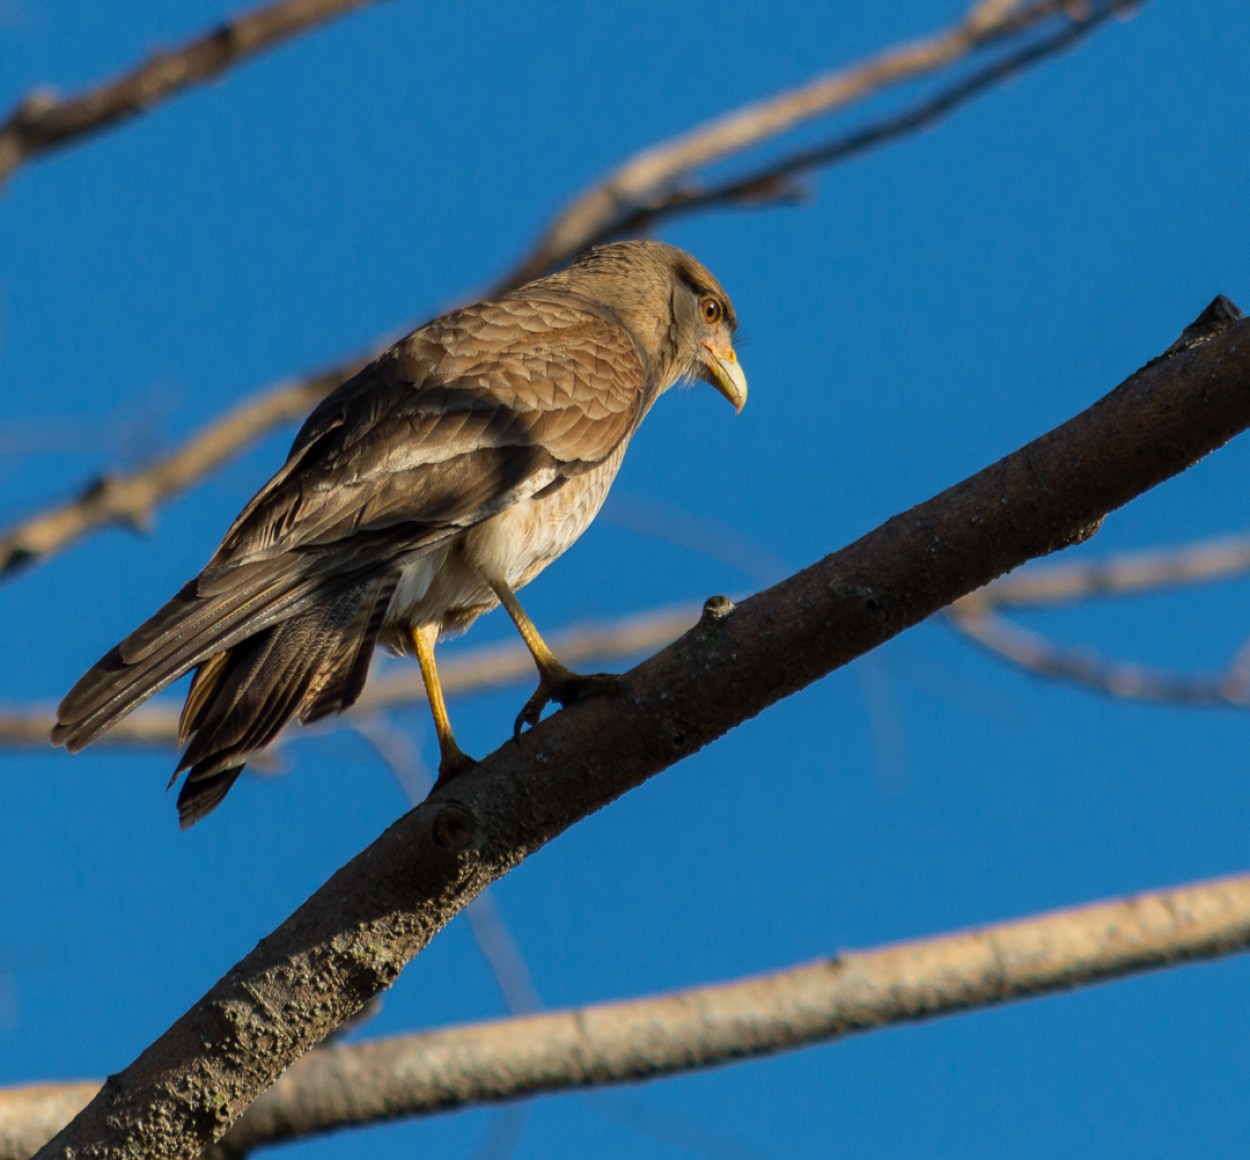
598 212
977 617
698 1028
130 500
43 121
1125 573
773 183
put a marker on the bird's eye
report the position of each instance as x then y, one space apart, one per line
711 310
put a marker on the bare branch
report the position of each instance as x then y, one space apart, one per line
354 936
632 198
631 1040
976 615
43 121
1119 679
600 211
130 500
467 671
1126 573
31 1114
774 183
491 935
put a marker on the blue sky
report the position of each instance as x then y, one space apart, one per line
937 303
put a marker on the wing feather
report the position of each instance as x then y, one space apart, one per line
481 409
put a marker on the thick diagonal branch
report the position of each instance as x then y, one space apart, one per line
354 936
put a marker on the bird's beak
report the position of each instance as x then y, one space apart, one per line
723 370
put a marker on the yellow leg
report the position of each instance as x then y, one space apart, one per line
549 668
555 681
451 759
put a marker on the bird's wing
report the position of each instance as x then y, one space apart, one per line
479 410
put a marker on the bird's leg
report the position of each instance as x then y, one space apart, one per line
555 681
452 760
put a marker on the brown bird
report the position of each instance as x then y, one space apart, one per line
418 495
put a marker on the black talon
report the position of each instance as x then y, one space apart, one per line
565 690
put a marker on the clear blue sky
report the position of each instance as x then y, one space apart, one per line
937 304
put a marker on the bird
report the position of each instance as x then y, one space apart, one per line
418 495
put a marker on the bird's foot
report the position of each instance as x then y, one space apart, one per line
564 687
452 762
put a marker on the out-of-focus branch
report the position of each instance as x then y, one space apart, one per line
131 499
44 121
1120 679
977 616
645 178
774 183
468 671
1123 574
351 939
643 189
623 1042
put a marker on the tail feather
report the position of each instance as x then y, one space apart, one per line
203 683
270 641
200 603
306 666
201 797
256 694
188 629
342 685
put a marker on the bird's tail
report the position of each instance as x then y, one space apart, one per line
206 616
261 658
308 666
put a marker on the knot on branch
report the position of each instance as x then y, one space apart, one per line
454 828
1214 320
34 108
1221 314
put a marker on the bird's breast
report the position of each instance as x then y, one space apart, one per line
523 539
450 586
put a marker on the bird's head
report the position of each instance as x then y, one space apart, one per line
673 306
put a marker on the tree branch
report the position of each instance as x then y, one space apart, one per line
701 1027
977 616
1125 573
633 197
499 950
1123 680
774 182
43 122
467 671
354 936
600 211
130 500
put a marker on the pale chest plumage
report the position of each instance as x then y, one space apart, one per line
448 586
